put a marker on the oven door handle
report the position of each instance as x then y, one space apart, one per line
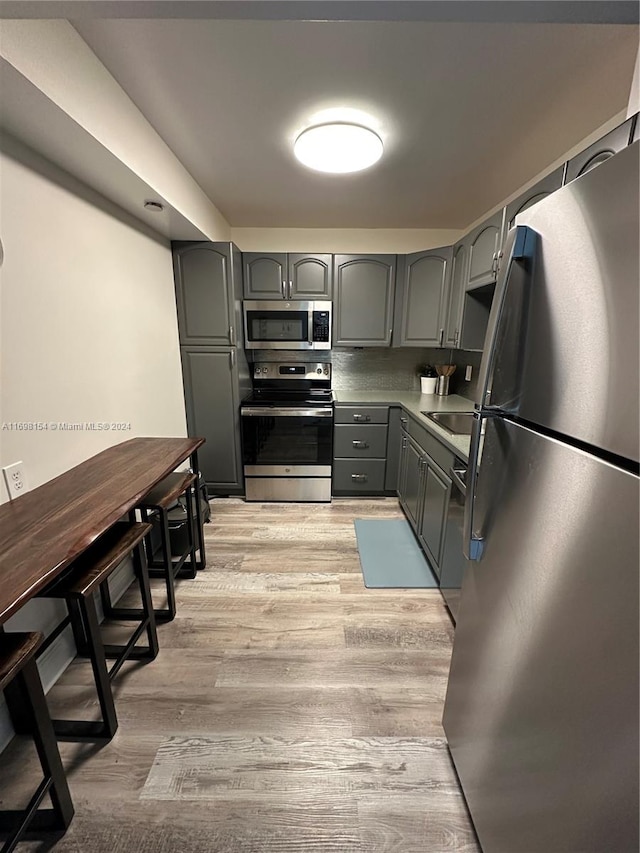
269 411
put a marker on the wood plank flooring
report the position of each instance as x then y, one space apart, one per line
290 709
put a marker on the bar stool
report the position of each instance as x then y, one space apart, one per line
28 707
90 573
158 501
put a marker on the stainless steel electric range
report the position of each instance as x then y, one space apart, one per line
287 432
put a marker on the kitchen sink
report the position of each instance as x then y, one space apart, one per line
457 423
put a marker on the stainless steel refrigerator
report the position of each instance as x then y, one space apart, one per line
541 713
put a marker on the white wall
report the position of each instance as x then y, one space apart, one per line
89 330
52 56
88 333
343 240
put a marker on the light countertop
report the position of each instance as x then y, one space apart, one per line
414 403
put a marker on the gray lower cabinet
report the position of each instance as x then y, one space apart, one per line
411 479
422 298
208 281
363 296
394 432
214 383
600 151
453 333
436 492
287 276
360 441
424 487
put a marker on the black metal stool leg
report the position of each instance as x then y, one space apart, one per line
168 614
190 566
84 608
140 569
202 562
45 740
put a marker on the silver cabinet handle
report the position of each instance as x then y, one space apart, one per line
441 337
360 445
455 339
232 336
290 289
362 418
359 478
403 422
283 289
232 359
404 442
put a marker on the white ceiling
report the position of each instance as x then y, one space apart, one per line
468 112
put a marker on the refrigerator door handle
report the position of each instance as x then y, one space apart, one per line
472 542
520 248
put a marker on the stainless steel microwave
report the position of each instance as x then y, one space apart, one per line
287 325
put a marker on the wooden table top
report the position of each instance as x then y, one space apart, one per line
44 530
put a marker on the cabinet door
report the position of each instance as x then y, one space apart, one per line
433 515
533 195
414 460
310 276
422 302
600 151
484 244
204 293
453 336
213 412
265 275
363 300
394 434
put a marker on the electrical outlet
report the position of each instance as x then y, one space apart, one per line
15 478
468 372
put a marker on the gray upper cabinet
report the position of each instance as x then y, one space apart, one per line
484 245
207 290
533 195
421 302
363 300
264 275
310 276
212 390
287 276
636 128
453 334
600 151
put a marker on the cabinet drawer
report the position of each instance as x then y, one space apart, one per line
360 441
438 452
354 476
361 414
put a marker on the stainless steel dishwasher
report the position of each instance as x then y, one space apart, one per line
453 560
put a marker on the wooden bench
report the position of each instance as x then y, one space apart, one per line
19 678
90 573
158 501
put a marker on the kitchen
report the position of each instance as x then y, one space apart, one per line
104 370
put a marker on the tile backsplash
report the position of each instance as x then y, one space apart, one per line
373 368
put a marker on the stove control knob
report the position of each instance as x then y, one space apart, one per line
319 370
257 370
326 371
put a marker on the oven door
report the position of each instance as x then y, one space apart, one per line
287 442
269 326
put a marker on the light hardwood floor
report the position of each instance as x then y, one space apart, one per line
290 709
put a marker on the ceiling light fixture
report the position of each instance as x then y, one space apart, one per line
154 206
338 147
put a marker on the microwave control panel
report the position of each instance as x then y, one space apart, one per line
321 328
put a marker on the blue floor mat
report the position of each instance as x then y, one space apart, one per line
390 555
